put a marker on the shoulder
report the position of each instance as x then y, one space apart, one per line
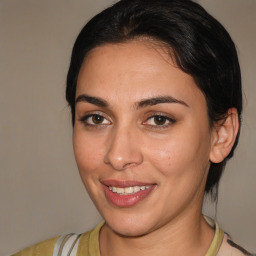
44 248
89 242
70 244
229 247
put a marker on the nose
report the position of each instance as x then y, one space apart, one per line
123 150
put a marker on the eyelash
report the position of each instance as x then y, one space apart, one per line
170 121
85 118
160 126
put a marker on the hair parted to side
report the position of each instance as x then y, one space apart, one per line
200 44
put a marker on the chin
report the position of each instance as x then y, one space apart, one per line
129 230
130 226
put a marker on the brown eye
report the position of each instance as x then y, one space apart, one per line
97 119
160 120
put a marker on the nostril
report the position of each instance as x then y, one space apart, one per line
123 162
129 165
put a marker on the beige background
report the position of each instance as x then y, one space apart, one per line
41 194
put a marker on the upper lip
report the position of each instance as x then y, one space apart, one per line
124 183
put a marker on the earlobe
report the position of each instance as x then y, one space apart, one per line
224 135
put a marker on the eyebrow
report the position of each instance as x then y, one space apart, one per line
93 100
141 104
159 100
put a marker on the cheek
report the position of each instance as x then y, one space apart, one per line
169 158
87 152
182 151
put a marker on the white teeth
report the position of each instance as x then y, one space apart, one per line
119 190
136 189
128 190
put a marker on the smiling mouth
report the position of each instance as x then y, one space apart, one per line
126 193
128 190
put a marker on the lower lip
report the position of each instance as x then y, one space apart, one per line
126 200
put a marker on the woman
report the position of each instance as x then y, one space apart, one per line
155 94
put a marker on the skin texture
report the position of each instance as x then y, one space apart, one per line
122 140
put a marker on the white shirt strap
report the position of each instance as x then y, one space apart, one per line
66 245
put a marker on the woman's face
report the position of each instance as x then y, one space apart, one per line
142 139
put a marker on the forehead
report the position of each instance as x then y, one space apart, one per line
135 69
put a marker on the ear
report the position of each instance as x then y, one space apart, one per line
223 136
